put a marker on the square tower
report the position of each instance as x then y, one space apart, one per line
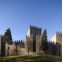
33 38
57 39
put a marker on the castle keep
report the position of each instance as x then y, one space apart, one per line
33 39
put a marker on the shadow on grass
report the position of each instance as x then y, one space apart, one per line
32 59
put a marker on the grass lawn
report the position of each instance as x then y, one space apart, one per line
32 58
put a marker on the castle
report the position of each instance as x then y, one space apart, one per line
32 43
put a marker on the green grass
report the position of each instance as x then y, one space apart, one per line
34 58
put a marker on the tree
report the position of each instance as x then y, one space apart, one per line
8 38
44 43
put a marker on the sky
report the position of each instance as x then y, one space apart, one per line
18 15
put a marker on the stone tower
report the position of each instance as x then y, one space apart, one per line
33 39
57 39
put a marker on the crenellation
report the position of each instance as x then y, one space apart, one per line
32 43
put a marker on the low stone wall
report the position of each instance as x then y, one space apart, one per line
12 49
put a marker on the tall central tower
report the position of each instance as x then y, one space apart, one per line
33 39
